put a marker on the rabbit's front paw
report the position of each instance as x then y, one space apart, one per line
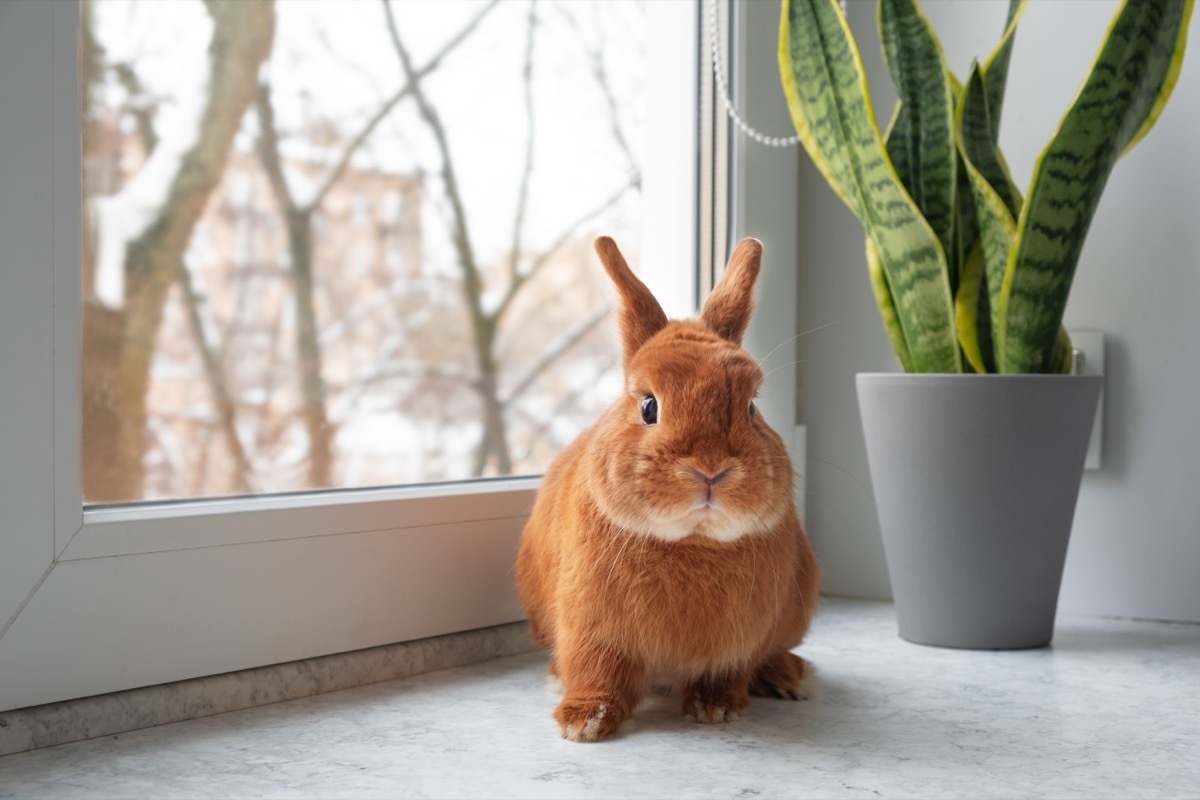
587 720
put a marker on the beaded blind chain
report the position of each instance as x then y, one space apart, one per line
723 87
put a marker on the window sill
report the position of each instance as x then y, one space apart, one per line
1107 711
118 712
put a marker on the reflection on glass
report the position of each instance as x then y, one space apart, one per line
349 244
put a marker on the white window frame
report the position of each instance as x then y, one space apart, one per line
114 598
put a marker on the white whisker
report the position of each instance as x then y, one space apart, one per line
822 499
783 366
864 487
794 338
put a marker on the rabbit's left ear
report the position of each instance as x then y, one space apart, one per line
639 313
727 310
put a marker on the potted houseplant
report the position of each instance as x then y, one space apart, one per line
976 450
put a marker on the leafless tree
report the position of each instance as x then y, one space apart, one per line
119 343
494 451
298 219
214 372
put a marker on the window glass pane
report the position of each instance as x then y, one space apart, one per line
340 244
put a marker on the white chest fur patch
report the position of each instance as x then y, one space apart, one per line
713 523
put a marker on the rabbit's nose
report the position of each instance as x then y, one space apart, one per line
710 480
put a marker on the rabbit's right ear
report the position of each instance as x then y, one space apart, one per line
640 314
727 310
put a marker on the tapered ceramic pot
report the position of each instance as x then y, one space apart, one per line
976 479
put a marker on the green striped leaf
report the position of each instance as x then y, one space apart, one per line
826 92
922 132
996 199
887 309
1169 80
965 229
971 314
896 146
995 69
973 133
1126 89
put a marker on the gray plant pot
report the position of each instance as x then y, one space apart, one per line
976 478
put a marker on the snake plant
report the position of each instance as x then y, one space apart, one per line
968 274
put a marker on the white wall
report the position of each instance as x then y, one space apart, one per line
1135 547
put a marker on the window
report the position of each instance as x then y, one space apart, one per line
514 133
129 595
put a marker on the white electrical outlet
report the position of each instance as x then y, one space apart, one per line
1089 347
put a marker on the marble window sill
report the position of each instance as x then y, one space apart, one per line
110 714
1108 711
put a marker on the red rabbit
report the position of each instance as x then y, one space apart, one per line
664 546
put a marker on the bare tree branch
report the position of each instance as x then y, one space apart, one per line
414 77
268 150
555 351
115 420
411 371
273 376
298 219
600 73
565 236
355 390
141 115
214 374
298 223
381 300
494 442
527 171
337 55
461 236
542 426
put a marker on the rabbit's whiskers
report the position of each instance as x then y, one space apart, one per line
789 340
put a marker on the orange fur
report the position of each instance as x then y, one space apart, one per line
671 552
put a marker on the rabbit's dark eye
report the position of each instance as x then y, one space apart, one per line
753 411
650 410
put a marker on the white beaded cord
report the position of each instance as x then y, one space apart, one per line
723 87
